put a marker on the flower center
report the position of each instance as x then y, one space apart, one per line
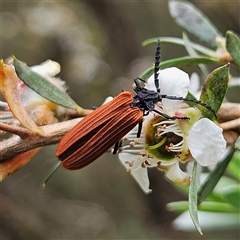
164 139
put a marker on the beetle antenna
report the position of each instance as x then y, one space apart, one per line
191 100
157 63
142 80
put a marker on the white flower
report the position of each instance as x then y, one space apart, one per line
206 142
164 143
48 68
172 81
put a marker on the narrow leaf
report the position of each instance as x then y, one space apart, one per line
180 206
233 46
232 195
214 90
214 176
187 61
194 21
217 207
209 206
234 166
180 62
191 51
180 42
193 207
55 168
43 87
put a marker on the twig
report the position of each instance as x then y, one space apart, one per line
228 111
52 134
20 131
233 124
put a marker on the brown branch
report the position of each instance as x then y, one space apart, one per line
228 111
20 131
52 134
233 124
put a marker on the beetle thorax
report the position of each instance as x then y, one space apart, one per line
146 99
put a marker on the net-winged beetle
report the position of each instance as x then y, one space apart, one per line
108 124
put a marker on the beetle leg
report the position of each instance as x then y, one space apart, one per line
117 145
139 128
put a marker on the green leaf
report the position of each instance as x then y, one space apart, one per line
55 168
217 207
214 176
214 90
180 62
187 61
180 42
43 87
232 195
209 206
147 73
193 207
217 194
234 166
203 70
194 21
180 206
233 46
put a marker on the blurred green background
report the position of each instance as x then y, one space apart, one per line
98 44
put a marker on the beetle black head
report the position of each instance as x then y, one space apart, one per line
145 99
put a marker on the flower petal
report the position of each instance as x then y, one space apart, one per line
172 82
175 174
206 142
48 68
139 173
194 87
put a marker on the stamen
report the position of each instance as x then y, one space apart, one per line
175 147
131 144
143 165
130 164
170 127
146 155
147 163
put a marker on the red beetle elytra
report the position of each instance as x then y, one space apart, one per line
108 124
98 132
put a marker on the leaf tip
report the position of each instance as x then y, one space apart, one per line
79 109
38 131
